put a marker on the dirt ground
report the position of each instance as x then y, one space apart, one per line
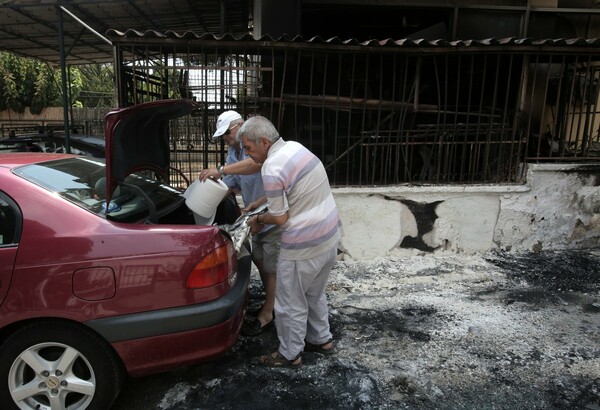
492 331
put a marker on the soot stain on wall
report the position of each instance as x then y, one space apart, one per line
425 216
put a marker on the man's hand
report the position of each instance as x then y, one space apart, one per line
255 226
209 173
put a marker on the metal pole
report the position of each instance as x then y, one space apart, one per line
107 41
63 72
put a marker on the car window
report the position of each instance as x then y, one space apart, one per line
9 221
82 181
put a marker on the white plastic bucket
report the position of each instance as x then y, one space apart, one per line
203 198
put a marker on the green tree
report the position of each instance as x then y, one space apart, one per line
97 85
9 95
26 82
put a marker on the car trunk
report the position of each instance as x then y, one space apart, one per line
137 140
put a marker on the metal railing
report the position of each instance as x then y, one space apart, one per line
377 118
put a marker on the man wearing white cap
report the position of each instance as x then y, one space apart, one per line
265 244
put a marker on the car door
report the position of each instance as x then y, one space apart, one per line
10 231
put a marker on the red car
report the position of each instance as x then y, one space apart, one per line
103 272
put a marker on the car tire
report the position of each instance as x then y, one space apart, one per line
58 365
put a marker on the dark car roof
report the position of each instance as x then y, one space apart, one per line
80 144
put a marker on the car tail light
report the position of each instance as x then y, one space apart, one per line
213 269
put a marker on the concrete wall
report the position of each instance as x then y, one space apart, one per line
558 208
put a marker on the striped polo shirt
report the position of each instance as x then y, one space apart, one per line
295 181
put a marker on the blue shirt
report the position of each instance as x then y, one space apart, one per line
250 185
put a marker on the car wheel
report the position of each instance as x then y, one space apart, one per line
58 365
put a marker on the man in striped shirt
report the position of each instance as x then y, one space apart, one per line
300 201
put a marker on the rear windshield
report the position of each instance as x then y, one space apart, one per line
83 182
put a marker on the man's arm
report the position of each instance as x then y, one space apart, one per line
255 204
244 167
256 223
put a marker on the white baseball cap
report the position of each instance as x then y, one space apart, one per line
224 121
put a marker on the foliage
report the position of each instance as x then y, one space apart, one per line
98 88
26 82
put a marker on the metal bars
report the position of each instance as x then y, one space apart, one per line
389 116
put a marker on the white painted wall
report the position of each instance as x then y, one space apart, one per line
558 208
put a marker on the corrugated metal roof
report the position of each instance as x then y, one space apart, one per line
151 36
30 27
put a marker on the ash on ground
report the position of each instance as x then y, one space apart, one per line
492 331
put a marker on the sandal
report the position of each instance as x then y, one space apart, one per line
276 359
311 347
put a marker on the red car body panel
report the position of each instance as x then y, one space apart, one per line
71 238
158 351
